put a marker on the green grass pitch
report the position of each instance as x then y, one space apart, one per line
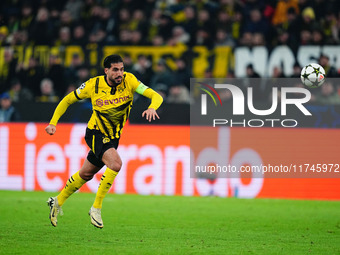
169 225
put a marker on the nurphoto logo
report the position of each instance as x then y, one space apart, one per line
281 99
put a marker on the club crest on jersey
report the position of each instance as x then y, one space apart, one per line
120 89
106 140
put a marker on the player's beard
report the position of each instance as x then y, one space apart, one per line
114 82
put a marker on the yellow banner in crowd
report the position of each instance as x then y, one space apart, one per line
218 60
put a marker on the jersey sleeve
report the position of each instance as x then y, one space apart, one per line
62 107
84 90
134 82
156 99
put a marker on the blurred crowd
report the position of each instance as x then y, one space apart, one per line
168 22
209 23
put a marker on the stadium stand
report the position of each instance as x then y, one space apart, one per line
40 40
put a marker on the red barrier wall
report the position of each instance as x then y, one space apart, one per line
156 160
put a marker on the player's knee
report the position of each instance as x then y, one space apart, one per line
86 176
116 165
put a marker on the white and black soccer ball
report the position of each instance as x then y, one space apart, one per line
313 75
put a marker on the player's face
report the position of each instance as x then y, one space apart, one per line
115 73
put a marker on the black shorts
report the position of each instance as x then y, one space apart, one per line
98 144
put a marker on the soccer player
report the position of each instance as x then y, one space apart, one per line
111 96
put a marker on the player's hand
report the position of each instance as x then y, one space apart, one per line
150 114
50 129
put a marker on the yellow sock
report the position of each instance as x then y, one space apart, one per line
72 185
104 186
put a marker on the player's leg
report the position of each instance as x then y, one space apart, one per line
86 173
113 162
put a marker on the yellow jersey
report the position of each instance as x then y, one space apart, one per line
111 105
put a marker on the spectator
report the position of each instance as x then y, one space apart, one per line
70 88
7 69
204 22
330 70
3 36
328 94
254 82
66 20
292 27
202 37
178 94
190 21
56 73
246 39
165 25
223 38
123 21
20 38
79 36
237 25
258 39
143 69
162 79
256 24
27 17
251 72
42 28
330 28
47 92
224 21
305 37
83 74
19 93
74 7
31 75
71 71
281 10
138 22
64 38
308 22
317 37
182 74
7 111
137 38
179 35
277 73
157 41
102 25
296 71
128 63
124 37
153 26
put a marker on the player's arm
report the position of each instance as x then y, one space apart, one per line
59 111
156 101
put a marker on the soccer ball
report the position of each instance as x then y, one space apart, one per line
313 75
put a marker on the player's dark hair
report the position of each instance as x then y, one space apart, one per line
112 59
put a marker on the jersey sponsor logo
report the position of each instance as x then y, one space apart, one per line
101 102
